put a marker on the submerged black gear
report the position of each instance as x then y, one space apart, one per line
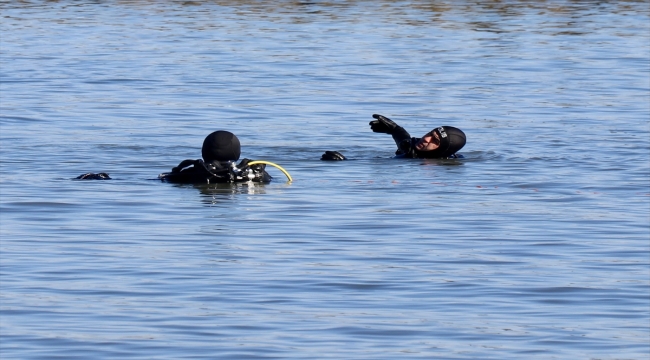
220 151
332 156
93 176
201 172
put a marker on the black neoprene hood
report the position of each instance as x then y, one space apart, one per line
221 145
451 140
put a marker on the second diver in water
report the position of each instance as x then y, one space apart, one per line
221 149
440 143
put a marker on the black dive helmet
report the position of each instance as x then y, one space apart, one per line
451 140
221 146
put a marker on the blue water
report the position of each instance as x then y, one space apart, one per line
536 245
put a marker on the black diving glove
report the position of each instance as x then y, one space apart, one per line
332 156
243 164
183 165
382 124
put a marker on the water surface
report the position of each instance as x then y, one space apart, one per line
535 245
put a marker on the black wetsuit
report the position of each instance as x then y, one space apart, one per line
406 147
200 172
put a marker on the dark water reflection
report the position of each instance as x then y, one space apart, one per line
534 245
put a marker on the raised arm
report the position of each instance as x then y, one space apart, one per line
385 125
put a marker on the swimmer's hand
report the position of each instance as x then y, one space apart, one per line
332 156
382 124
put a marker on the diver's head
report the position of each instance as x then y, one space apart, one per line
441 142
221 146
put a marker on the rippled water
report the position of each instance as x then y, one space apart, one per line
537 244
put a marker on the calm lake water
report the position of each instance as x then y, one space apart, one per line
536 245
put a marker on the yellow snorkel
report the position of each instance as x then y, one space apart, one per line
274 165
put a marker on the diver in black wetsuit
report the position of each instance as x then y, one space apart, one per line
220 151
440 143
